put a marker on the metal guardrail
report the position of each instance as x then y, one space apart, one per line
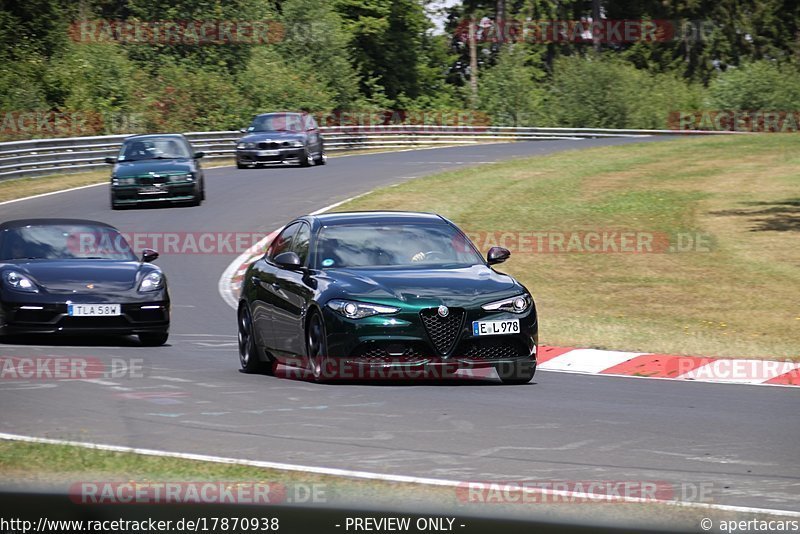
40 157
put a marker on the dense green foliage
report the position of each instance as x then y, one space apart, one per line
369 55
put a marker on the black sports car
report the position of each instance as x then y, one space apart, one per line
281 138
79 277
156 168
384 294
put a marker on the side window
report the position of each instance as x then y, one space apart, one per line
283 242
310 123
300 243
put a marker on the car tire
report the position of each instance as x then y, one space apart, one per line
517 373
248 352
114 205
240 165
317 349
322 159
153 339
306 159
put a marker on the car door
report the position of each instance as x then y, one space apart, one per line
293 293
314 138
264 277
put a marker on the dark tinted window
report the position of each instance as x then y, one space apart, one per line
64 242
154 148
277 122
300 243
283 242
395 245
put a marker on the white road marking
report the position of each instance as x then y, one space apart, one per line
106 182
170 378
587 360
332 471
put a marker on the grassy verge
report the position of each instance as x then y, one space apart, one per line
734 292
62 468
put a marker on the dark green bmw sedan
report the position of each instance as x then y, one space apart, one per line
153 169
395 295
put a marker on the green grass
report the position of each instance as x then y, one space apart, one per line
740 299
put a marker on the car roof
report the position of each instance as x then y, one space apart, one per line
377 217
19 223
282 113
147 136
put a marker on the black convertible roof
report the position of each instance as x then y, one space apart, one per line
18 223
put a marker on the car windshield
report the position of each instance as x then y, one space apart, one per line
277 122
394 245
64 242
166 147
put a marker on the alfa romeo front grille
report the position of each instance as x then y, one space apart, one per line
443 331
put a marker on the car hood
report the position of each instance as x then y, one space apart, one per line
452 287
278 137
75 275
164 167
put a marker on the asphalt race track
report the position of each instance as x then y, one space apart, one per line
743 439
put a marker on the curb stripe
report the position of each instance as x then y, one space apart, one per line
587 360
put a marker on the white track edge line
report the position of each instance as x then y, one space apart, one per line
376 476
40 195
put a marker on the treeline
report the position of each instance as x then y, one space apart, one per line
117 64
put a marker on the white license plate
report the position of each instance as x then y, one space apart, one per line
151 190
93 310
268 152
494 328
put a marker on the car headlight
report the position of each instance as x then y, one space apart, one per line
123 181
296 144
152 281
241 145
517 304
20 282
358 310
181 178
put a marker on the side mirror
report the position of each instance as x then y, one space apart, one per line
288 260
111 160
149 255
198 155
497 255
242 130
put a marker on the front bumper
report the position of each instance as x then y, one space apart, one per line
400 343
276 155
166 192
48 315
